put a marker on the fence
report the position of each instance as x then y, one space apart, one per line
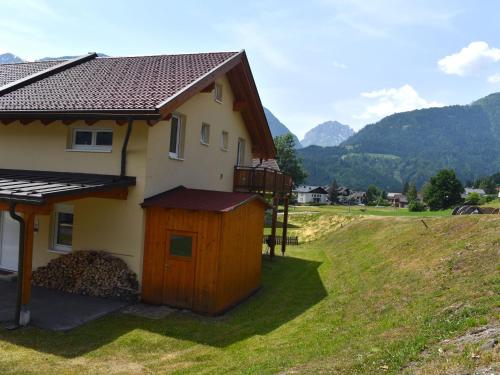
279 240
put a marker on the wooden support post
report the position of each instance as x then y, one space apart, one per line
27 261
273 225
285 224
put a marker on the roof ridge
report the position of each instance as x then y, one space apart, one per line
167 54
65 64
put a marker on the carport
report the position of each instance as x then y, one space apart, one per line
25 194
55 310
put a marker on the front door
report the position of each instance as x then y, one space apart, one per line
9 242
180 260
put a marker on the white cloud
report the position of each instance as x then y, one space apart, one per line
339 65
495 78
469 59
393 100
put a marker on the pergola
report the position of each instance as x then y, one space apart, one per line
32 193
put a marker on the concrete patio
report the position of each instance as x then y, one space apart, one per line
55 310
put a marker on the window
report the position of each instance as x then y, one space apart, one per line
218 93
240 156
176 131
224 141
205 134
92 139
181 245
62 235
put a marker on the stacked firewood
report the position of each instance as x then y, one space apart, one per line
92 273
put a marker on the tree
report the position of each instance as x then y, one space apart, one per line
287 158
473 199
374 194
443 190
406 187
333 194
412 193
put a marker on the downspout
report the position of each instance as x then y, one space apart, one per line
123 168
22 316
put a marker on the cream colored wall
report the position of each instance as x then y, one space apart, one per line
115 226
39 147
202 167
118 226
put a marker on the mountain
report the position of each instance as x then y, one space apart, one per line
278 128
330 133
413 146
67 57
9 58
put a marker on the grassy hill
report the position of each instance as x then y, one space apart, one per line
373 295
417 144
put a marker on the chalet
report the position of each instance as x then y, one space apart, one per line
398 200
357 197
311 194
468 191
148 158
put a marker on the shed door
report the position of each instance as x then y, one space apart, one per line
180 260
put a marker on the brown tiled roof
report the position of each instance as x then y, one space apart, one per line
201 200
269 163
121 83
12 72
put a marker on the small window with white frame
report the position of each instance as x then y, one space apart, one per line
218 92
224 143
176 136
205 134
92 140
62 230
240 156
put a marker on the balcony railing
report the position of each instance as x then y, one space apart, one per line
261 180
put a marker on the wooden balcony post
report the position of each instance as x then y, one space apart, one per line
273 225
285 224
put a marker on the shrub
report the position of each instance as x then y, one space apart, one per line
416 206
472 199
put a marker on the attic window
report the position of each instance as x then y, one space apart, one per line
218 93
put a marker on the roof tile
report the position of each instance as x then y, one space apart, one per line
116 83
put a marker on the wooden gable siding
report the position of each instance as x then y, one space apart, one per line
240 261
207 227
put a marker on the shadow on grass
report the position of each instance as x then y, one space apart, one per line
290 287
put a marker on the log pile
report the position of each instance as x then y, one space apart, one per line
92 273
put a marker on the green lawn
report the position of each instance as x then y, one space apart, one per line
367 297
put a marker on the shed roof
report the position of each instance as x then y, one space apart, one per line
35 187
201 200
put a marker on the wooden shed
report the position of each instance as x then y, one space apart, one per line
203 249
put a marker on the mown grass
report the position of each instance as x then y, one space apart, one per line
367 298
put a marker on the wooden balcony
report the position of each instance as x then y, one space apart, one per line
262 180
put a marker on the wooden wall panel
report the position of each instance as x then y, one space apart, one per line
240 260
207 227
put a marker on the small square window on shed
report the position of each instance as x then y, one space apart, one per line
181 245
218 93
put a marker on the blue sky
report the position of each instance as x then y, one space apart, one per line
351 61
